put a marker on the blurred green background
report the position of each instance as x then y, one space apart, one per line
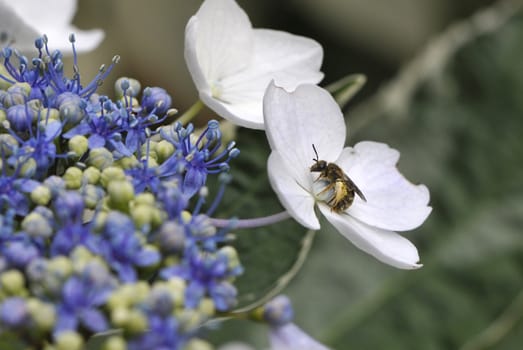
445 87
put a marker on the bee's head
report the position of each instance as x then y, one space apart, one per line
320 165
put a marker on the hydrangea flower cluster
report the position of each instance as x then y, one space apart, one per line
101 226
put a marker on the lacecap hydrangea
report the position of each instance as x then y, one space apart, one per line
102 211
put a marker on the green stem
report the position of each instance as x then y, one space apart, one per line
498 329
190 113
251 223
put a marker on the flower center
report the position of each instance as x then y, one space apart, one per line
216 89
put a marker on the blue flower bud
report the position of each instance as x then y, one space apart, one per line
156 100
171 237
278 311
55 184
14 313
20 117
69 206
17 94
71 107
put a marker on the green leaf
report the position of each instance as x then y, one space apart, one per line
270 255
11 341
344 89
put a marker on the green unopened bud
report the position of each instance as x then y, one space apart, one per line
111 173
42 314
3 115
207 307
198 344
99 221
78 145
186 217
151 162
114 342
120 316
18 94
80 257
92 175
132 321
36 225
141 291
25 87
13 282
7 144
121 299
5 83
137 322
51 114
69 340
60 266
28 168
41 195
121 193
151 147
176 286
71 113
164 150
130 101
100 158
92 196
145 198
127 162
189 319
232 256
73 178
143 215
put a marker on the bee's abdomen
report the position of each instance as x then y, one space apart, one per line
342 197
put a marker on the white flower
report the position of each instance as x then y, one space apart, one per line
294 122
231 63
22 21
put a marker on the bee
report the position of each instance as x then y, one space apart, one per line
341 187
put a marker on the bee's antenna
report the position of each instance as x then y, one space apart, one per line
315 152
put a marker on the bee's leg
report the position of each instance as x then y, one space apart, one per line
319 178
327 188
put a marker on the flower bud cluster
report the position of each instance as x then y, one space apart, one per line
98 229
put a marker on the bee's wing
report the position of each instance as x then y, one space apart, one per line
353 186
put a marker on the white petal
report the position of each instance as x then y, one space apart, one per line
218 40
288 59
191 57
297 120
50 17
45 13
244 114
291 59
393 203
386 246
291 337
14 29
296 200
86 40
